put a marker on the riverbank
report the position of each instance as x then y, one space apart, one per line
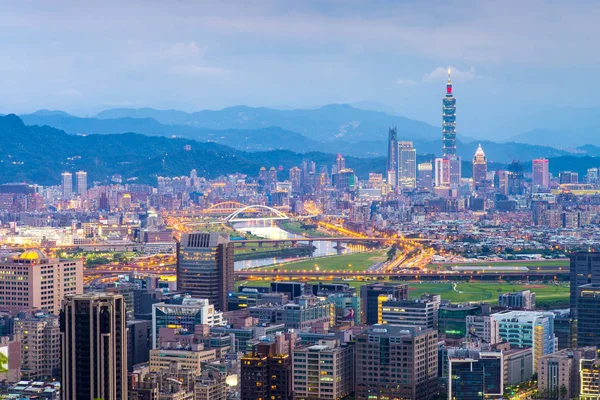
287 252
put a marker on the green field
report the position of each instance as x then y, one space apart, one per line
539 263
358 262
547 295
296 227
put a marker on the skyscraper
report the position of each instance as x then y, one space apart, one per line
588 315
396 362
449 121
205 266
392 161
584 269
340 163
425 176
407 165
81 183
296 179
448 169
94 347
67 185
479 168
540 173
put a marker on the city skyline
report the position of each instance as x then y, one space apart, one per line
226 48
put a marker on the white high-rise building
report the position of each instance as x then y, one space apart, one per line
67 185
81 183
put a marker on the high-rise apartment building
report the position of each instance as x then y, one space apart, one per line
81 178
40 346
67 185
373 295
425 176
94 347
479 168
407 165
210 385
392 160
560 371
205 267
523 300
568 178
296 179
540 177
323 371
396 362
33 281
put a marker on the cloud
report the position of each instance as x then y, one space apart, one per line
182 50
69 92
441 73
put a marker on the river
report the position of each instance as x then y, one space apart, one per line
270 230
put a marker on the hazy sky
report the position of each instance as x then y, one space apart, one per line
510 58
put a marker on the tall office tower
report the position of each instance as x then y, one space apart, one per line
528 329
475 374
455 170
272 178
67 185
94 347
421 312
373 295
81 177
392 161
449 121
396 362
296 179
588 315
324 371
407 165
584 269
40 346
442 172
515 178
425 176
479 168
41 282
592 175
340 163
205 266
540 178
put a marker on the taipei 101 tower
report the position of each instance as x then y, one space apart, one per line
448 168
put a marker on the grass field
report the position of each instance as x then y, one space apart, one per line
539 263
296 227
547 295
358 262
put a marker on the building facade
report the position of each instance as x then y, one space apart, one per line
205 267
94 347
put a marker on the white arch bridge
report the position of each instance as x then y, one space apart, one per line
261 213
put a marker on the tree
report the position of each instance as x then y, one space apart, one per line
563 392
391 252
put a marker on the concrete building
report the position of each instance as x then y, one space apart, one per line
33 281
407 165
396 362
189 357
518 365
558 373
423 312
425 176
323 371
590 378
173 382
453 317
67 185
588 315
185 316
483 327
371 297
94 347
540 176
523 300
210 385
40 346
205 267
479 168
528 329
475 374
584 269
81 177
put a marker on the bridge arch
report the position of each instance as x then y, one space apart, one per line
225 207
233 217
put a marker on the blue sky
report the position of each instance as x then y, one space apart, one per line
510 58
